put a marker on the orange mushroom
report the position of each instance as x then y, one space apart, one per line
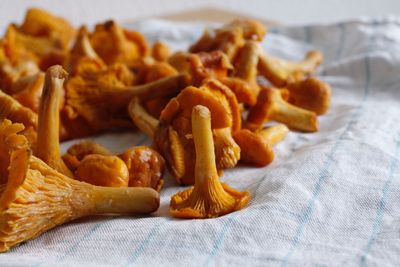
48 147
160 51
311 94
256 148
28 90
281 72
114 44
201 66
230 38
82 58
93 106
37 198
102 170
246 65
146 167
172 133
271 106
40 23
208 197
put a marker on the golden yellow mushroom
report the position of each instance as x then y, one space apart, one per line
37 198
256 147
48 147
208 197
311 94
280 72
271 106
103 170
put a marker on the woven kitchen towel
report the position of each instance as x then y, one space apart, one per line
330 198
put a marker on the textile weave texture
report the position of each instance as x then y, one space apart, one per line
330 198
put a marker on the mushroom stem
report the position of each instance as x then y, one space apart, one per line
14 111
164 87
208 198
204 144
48 147
82 45
142 119
246 65
279 72
311 94
274 134
271 106
37 198
125 200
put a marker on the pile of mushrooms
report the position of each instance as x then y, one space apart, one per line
206 109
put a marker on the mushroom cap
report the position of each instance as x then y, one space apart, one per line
103 170
29 90
182 105
202 65
311 94
253 149
114 44
146 167
41 23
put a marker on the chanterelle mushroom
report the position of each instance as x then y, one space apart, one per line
37 198
41 23
98 166
209 197
311 94
271 106
201 66
172 134
11 109
114 44
28 90
82 57
280 72
255 148
92 107
230 37
48 147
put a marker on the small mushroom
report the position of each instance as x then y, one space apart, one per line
102 170
146 167
201 66
77 152
114 44
92 107
281 72
37 198
256 148
12 72
82 57
11 109
48 147
208 197
230 38
246 65
242 89
28 90
40 23
94 164
311 94
160 51
31 47
272 107
172 133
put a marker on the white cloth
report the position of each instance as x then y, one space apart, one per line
330 198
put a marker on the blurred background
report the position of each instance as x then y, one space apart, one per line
282 11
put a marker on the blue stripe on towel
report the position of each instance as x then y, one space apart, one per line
324 171
381 207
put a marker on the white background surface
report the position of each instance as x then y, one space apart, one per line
286 11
